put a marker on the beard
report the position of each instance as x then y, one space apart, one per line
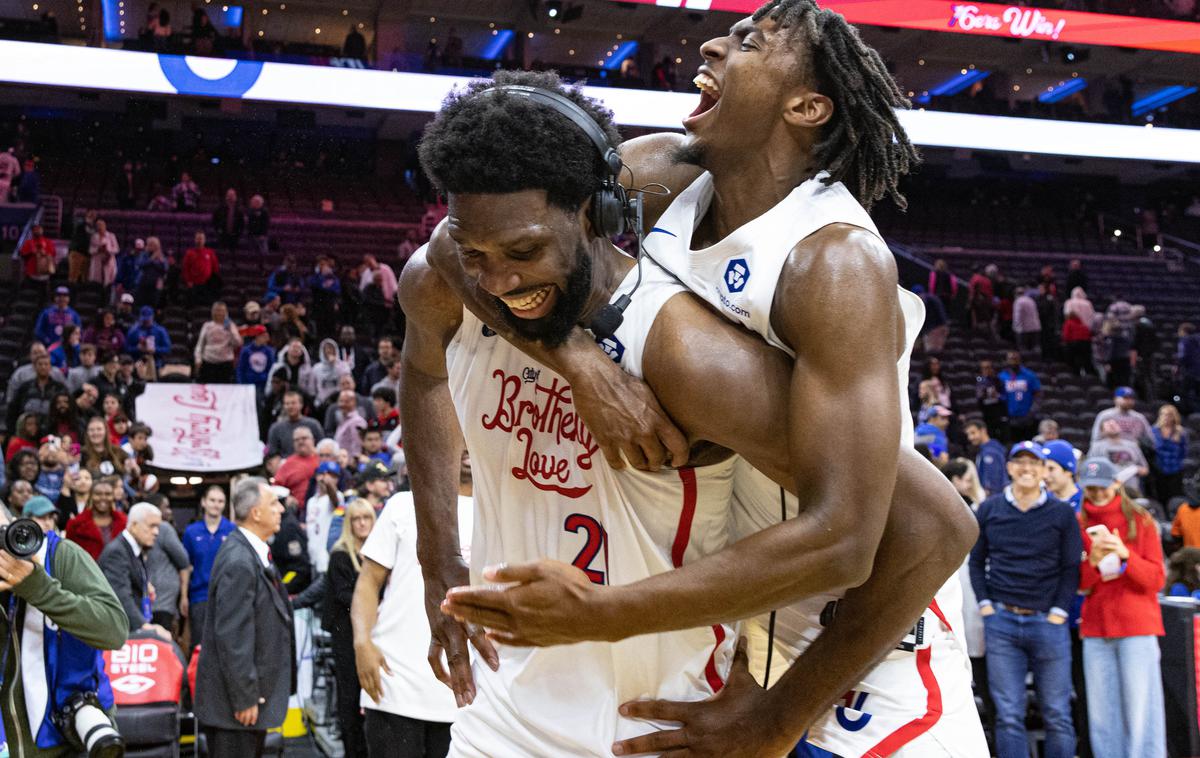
690 153
553 328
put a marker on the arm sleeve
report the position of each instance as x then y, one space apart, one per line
232 609
274 446
1089 575
198 353
1144 568
381 544
1096 428
1069 560
978 559
174 548
341 578
77 598
116 570
241 373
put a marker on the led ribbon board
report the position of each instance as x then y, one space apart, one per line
30 63
993 20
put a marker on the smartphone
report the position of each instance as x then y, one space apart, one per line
1099 530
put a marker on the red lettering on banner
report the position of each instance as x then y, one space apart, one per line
550 413
198 397
194 435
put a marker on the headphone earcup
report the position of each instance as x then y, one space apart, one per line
608 211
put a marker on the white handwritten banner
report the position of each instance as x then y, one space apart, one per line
201 427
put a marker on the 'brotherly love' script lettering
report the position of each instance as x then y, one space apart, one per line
554 437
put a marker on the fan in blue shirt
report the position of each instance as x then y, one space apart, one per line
1021 387
202 539
932 434
990 460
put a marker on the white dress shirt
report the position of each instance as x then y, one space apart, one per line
259 546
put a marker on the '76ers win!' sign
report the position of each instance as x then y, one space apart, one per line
555 443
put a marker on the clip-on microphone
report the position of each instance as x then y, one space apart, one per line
608 319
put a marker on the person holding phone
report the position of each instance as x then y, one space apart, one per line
1121 574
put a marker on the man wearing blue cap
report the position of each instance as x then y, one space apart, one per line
1061 466
1025 571
1134 426
146 338
1060 473
319 513
932 434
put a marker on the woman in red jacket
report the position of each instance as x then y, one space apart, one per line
100 523
1121 619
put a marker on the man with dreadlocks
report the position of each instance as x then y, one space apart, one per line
795 133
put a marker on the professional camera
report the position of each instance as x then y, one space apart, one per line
22 538
85 724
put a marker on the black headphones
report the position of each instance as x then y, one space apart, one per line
613 208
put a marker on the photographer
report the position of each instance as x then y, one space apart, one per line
63 608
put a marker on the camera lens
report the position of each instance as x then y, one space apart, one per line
23 538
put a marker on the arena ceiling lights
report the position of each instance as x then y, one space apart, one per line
992 20
39 64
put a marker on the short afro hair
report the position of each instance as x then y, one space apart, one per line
500 143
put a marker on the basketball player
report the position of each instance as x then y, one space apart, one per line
763 166
540 488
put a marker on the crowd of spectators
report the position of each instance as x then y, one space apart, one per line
329 417
1123 502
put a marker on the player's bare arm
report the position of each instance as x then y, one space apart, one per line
433 455
364 613
847 465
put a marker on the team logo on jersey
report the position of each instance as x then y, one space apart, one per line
488 332
737 273
613 348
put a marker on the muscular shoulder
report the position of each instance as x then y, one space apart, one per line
423 293
840 275
848 259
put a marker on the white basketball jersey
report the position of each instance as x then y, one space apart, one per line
738 274
543 490
738 277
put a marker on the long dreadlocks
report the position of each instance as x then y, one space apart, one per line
863 145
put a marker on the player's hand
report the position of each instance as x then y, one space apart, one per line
13 571
625 418
553 603
369 661
449 636
712 728
248 717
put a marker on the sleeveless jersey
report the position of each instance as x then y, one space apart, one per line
543 490
737 276
895 704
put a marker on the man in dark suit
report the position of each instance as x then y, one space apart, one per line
123 562
246 673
